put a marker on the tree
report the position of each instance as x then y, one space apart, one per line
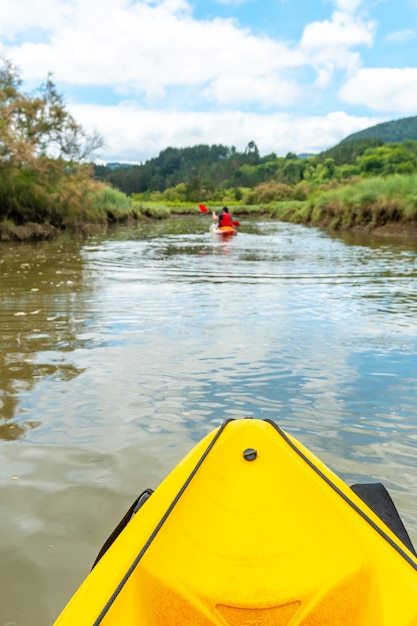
293 169
252 153
38 124
42 150
371 163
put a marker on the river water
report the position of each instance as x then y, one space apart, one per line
119 353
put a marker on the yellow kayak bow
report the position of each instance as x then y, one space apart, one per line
251 529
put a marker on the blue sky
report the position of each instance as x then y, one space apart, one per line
291 75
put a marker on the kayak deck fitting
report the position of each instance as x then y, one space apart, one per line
251 529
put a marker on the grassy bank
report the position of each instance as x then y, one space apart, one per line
80 211
372 204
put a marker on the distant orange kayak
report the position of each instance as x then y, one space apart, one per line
223 231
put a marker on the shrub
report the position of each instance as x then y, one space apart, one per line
265 193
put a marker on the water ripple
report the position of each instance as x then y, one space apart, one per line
129 348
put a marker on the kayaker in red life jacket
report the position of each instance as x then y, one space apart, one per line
223 218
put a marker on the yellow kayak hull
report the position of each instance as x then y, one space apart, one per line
251 529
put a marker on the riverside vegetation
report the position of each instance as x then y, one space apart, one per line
48 182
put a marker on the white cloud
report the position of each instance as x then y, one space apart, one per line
400 36
329 43
348 6
32 17
156 55
154 47
233 2
342 31
383 89
145 47
133 134
267 91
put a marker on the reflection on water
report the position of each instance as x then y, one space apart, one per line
120 352
43 293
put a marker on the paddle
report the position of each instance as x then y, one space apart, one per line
204 209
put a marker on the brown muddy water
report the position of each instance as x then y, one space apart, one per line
119 353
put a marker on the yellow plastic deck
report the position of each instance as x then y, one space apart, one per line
276 541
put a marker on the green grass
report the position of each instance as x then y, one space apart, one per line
75 203
367 204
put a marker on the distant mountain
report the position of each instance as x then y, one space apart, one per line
116 165
395 131
347 151
354 145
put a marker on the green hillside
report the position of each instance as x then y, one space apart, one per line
347 151
387 132
355 145
203 171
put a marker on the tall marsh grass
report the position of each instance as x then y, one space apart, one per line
369 203
108 205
